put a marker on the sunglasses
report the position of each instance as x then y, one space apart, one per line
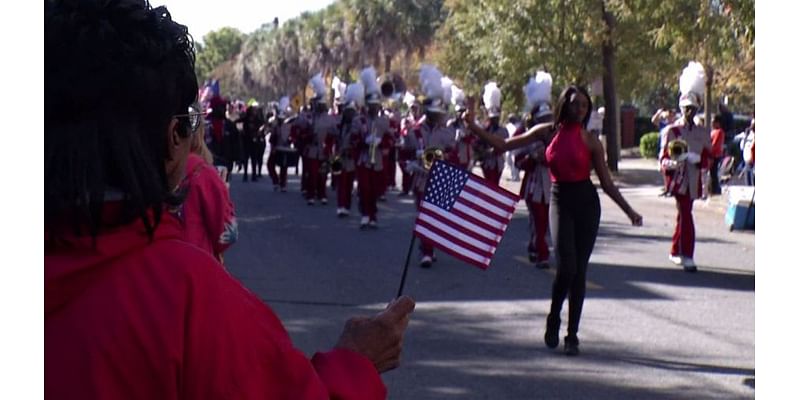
194 116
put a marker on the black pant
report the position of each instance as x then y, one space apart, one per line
715 187
574 220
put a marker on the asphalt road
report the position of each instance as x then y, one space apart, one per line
649 330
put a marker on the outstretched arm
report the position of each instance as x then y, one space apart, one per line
536 133
598 160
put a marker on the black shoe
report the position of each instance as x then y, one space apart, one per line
551 334
571 345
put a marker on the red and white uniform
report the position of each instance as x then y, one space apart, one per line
494 162
370 163
280 140
535 189
462 154
684 180
407 152
348 141
318 151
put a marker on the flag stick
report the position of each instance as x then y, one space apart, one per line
405 269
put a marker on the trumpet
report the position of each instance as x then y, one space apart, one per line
677 148
337 165
430 156
373 147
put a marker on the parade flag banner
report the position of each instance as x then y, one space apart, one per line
463 214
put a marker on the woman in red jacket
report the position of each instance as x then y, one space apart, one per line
571 154
132 311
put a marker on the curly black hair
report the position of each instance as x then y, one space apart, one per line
116 71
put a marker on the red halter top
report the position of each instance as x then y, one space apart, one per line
568 156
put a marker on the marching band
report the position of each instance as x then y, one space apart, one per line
375 127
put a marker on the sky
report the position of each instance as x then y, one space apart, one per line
202 17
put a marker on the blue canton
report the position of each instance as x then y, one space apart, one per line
444 185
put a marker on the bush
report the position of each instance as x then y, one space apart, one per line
648 145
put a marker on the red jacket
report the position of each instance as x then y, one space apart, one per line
135 319
208 214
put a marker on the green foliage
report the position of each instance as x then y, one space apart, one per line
217 47
648 145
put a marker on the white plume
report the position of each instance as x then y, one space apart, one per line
369 78
457 97
491 96
318 85
431 81
447 87
355 93
338 87
693 80
538 90
409 99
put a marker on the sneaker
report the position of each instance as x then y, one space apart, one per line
310 202
373 224
323 201
364 222
426 262
340 212
551 332
689 265
571 345
676 259
345 212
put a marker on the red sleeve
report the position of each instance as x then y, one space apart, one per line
218 211
236 348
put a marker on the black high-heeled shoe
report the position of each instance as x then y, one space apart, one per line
551 333
571 345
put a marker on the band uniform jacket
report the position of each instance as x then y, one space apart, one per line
685 177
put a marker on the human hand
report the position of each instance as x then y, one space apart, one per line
636 219
379 338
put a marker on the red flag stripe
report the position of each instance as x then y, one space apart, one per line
451 248
460 240
479 212
452 219
473 216
498 192
457 255
482 204
475 212
488 199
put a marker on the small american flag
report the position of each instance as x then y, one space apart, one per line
463 214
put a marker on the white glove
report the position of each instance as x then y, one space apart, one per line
670 164
693 158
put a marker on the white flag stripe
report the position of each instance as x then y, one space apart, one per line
452 246
475 214
455 219
456 234
490 192
502 214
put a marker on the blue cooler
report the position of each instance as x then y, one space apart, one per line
741 212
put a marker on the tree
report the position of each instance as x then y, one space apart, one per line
217 47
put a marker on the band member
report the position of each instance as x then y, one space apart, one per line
280 146
407 146
430 134
390 151
493 161
348 141
370 163
536 185
684 153
462 154
253 137
318 151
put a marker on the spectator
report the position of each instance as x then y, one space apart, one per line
717 153
131 310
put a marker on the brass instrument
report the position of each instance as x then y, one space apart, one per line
677 148
337 165
373 147
430 156
391 84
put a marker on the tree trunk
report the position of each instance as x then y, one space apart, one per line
708 97
611 121
387 63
